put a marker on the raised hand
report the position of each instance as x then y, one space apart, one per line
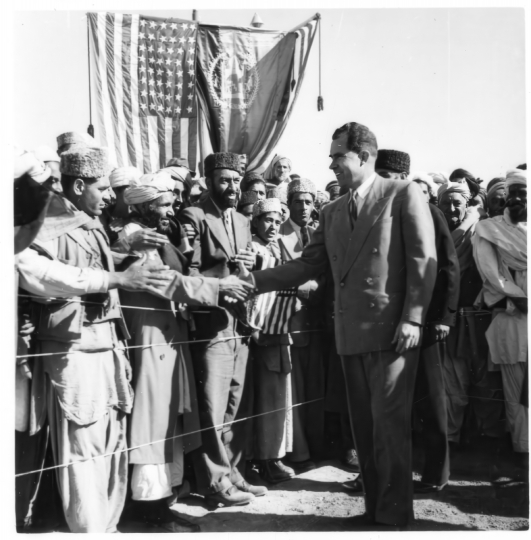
147 239
247 257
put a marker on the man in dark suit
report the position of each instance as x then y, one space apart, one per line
221 238
378 239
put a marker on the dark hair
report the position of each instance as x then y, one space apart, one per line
251 179
359 138
522 167
67 182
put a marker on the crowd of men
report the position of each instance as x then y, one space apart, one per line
180 336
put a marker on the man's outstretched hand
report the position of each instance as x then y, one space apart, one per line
235 289
138 278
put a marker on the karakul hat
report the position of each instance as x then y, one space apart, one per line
278 193
247 197
123 176
84 162
267 205
302 185
393 160
66 140
222 160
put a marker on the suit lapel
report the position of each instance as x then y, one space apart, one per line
240 231
215 223
374 203
341 222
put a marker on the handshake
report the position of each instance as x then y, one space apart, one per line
235 288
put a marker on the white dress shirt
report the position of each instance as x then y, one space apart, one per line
361 193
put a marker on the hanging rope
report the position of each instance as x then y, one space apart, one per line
320 103
90 129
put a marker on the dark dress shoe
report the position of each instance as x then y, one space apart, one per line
423 487
302 466
274 471
257 491
351 462
355 486
180 525
230 497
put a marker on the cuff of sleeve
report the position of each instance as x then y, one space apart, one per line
99 282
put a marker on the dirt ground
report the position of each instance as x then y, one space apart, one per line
488 490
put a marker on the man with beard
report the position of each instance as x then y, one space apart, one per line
393 164
383 286
308 376
165 404
466 351
496 197
278 172
221 239
81 384
500 251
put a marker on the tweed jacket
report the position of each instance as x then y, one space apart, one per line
384 269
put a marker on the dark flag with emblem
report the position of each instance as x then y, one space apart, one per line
145 87
248 80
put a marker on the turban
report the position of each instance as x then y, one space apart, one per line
178 162
439 177
247 197
84 162
123 176
267 205
496 184
45 153
148 188
178 173
269 173
302 186
515 176
27 163
393 160
278 193
331 184
427 179
222 160
322 197
454 187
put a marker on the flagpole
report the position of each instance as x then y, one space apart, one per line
320 103
90 129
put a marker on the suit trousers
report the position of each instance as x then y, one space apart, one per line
430 405
380 387
220 371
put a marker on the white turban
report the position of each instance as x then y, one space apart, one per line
27 163
269 173
179 173
427 179
148 188
45 153
515 176
454 187
123 176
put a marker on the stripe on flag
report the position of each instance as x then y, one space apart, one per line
145 88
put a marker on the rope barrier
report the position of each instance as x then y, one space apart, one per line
163 440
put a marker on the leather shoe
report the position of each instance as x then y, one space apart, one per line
231 496
274 471
351 462
257 491
423 487
302 466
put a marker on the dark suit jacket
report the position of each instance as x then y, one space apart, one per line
384 270
212 256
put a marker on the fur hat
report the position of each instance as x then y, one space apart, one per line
393 160
84 162
267 205
222 160
302 185
65 141
278 193
247 197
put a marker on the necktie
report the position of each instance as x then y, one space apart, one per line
353 210
228 228
305 236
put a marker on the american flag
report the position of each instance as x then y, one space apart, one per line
145 87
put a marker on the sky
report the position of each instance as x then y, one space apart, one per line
445 85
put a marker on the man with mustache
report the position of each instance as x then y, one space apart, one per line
221 239
466 351
500 251
383 286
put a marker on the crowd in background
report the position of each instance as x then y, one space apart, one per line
139 329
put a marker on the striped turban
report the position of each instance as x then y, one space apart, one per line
148 188
515 176
454 187
123 176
